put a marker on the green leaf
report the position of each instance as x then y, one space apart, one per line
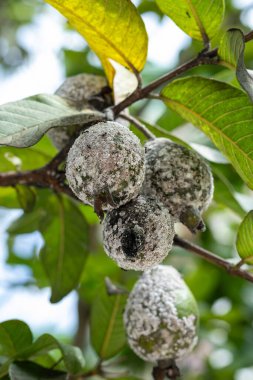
65 250
224 193
4 369
26 197
222 112
32 371
90 286
200 19
26 159
29 222
107 330
15 336
8 198
231 51
244 242
24 122
16 342
72 356
112 28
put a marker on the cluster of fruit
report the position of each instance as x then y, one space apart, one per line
143 191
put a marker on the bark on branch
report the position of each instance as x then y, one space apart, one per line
232 269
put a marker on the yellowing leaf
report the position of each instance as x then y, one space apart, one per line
200 19
112 28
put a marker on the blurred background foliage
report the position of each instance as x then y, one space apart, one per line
225 349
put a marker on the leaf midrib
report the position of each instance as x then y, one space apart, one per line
102 37
198 21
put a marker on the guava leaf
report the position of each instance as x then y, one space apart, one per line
26 197
72 356
16 342
200 19
31 371
244 242
112 28
26 159
65 250
224 193
231 51
24 122
223 112
107 330
15 336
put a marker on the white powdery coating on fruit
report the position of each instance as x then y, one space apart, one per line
80 88
154 329
107 162
177 176
77 90
139 234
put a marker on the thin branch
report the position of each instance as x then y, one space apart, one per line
204 58
232 269
48 176
139 94
42 178
139 125
249 36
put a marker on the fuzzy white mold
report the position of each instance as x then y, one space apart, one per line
105 165
161 316
139 234
178 177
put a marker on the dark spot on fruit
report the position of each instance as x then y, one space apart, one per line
132 239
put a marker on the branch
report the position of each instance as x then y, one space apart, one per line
139 125
249 36
141 93
48 176
232 269
204 58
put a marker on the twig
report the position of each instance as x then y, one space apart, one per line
204 58
232 269
139 125
249 36
48 176
42 178
142 93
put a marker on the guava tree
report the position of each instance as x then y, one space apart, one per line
112 193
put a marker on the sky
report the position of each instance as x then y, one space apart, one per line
43 73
